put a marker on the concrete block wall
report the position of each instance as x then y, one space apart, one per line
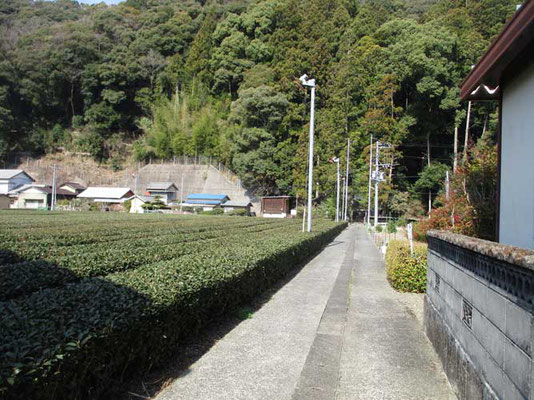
479 316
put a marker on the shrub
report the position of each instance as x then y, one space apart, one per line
391 226
239 212
378 228
406 273
75 338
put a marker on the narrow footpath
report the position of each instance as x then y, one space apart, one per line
335 331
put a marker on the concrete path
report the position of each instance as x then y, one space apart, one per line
335 331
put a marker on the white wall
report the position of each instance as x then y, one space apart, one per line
517 163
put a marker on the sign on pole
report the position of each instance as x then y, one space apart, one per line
409 230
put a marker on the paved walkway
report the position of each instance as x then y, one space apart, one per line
335 331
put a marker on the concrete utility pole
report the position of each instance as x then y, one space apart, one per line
370 181
53 200
347 181
466 142
378 176
311 84
375 223
342 215
455 162
447 186
336 160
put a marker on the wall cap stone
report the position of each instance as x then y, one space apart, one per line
511 254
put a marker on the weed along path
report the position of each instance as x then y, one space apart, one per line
336 330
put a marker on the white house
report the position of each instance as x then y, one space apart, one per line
11 179
37 196
505 73
137 202
165 190
112 197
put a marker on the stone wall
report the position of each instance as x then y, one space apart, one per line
479 315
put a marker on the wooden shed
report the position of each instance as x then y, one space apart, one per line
276 206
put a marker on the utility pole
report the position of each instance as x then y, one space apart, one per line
342 216
455 162
336 160
378 176
447 185
311 84
370 182
375 223
466 142
53 200
182 192
347 181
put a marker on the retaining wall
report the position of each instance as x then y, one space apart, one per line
479 315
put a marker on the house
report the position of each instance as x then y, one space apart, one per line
11 179
137 203
206 201
167 191
230 206
276 206
505 73
73 187
110 198
478 307
37 196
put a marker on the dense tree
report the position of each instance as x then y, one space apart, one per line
220 79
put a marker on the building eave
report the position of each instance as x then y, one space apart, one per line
513 39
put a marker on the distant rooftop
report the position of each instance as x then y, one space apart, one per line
74 185
207 196
96 192
160 186
11 173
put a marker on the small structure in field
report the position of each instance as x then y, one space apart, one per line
206 201
110 198
37 196
276 206
233 206
167 191
11 179
5 201
73 187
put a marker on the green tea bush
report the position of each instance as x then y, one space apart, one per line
67 333
406 273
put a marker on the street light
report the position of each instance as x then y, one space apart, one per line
336 160
311 84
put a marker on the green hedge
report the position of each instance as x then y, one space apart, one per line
78 340
406 273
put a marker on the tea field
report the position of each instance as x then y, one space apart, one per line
89 299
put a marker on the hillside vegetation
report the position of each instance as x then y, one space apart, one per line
156 79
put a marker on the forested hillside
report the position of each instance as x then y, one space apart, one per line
157 79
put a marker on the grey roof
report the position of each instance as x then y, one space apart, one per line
237 204
74 185
95 192
11 173
146 199
160 186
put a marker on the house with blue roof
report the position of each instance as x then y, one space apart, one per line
207 201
